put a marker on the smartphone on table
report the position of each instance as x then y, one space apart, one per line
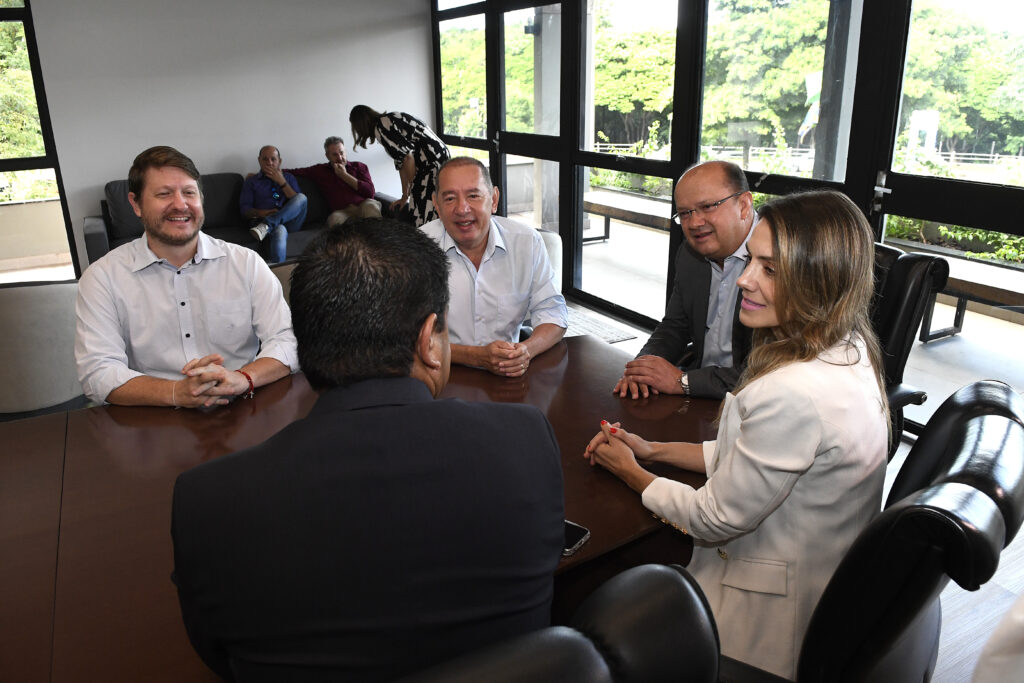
575 537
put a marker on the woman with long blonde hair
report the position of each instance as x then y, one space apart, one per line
798 466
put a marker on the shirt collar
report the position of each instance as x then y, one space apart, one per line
143 256
495 240
741 251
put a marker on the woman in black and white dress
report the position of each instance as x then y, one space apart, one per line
415 149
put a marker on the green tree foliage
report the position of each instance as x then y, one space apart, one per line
20 131
633 80
969 74
518 78
463 81
758 55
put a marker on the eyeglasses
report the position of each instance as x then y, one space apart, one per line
703 209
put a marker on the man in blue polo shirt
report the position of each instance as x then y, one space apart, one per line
272 201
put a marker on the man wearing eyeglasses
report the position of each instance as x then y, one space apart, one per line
714 209
272 201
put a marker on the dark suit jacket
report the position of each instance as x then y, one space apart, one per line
685 321
383 533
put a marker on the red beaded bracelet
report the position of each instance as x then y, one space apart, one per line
252 387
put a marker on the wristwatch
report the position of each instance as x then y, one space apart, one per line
684 382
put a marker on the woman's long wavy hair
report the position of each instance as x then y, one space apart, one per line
824 256
364 125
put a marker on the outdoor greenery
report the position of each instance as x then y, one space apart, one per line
20 132
761 58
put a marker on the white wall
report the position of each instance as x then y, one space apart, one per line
217 79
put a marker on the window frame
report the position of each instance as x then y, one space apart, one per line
49 159
881 45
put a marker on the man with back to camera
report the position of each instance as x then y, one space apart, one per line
272 202
343 548
500 275
715 209
346 185
161 319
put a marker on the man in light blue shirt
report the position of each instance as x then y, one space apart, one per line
178 318
500 275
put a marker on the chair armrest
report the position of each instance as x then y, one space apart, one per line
97 243
902 395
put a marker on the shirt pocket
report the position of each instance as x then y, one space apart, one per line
758 576
513 308
229 323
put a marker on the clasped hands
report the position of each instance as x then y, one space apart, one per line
618 451
504 358
207 383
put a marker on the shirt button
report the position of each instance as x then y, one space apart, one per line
182 303
187 335
722 554
179 272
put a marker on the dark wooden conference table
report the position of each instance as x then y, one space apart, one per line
85 547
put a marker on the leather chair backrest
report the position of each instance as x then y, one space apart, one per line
652 622
557 653
885 257
958 428
899 306
38 345
648 624
878 617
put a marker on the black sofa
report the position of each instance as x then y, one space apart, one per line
119 225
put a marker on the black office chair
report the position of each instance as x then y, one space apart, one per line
879 617
957 430
904 284
648 624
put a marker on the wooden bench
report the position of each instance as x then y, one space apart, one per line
626 208
971 280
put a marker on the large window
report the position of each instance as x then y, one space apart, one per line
783 106
962 105
533 50
629 70
35 240
911 107
463 81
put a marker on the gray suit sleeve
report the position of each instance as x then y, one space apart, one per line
712 381
677 331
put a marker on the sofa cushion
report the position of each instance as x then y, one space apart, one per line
316 206
221 192
124 224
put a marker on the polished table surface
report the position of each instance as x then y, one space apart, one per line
85 548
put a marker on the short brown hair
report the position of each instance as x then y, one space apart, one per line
158 157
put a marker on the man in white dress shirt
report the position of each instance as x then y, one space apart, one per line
160 320
500 275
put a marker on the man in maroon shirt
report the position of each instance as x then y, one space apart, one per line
346 185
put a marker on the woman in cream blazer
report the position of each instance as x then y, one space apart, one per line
799 463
